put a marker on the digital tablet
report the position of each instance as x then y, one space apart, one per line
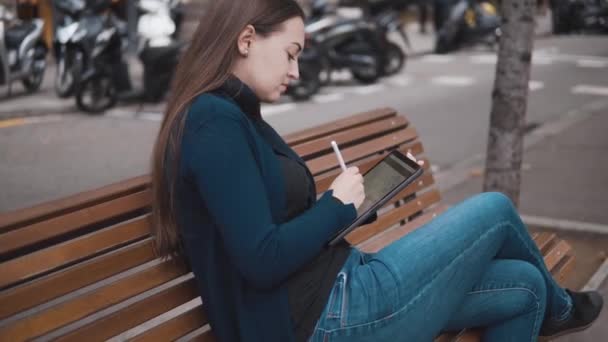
381 183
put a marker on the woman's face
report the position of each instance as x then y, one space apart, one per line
268 64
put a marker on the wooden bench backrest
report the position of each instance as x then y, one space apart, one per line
84 268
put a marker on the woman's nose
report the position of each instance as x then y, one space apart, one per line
294 72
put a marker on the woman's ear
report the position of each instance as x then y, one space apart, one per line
246 37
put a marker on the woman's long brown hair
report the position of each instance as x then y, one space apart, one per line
205 66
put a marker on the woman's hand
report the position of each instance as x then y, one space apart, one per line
348 187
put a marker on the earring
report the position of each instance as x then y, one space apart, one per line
246 53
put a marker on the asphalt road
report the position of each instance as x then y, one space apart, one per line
447 98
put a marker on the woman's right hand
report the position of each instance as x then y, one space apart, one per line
348 187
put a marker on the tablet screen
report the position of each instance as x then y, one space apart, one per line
383 178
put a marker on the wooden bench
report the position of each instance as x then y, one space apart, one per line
83 268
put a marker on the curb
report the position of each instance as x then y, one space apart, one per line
598 278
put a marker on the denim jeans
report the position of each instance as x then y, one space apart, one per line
473 266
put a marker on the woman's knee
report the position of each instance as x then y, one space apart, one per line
528 285
496 204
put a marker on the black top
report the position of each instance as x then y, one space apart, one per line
309 287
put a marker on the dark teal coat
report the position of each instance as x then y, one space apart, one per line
231 203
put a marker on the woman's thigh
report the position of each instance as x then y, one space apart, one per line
410 289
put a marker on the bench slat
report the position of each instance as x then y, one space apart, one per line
347 138
73 310
338 125
556 253
27 216
564 267
368 148
135 314
36 233
393 217
57 284
385 238
206 336
37 263
544 240
175 327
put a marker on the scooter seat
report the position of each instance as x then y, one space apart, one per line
14 35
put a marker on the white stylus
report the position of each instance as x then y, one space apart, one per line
339 155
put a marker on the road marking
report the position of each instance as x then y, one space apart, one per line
541 60
591 63
270 110
31 120
484 59
12 122
536 85
439 59
573 58
590 90
453 81
369 89
325 98
120 113
400 81
151 116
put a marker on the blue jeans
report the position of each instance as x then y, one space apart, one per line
473 266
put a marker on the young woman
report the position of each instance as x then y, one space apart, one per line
240 205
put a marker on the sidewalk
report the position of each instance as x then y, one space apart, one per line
564 190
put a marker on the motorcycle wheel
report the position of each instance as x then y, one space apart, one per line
395 59
96 95
369 74
34 80
65 83
308 85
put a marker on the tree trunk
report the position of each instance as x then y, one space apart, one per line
510 99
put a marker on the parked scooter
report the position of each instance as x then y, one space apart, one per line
580 16
80 24
22 52
470 22
353 43
109 80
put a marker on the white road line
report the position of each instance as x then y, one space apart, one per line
440 59
151 116
591 63
574 58
325 98
369 89
542 60
270 110
453 81
399 81
484 59
120 113
590 90
536 85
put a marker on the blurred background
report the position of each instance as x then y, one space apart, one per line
83 85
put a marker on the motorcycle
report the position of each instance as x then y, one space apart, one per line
75 37
109 81
584 16
22 52
470 22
